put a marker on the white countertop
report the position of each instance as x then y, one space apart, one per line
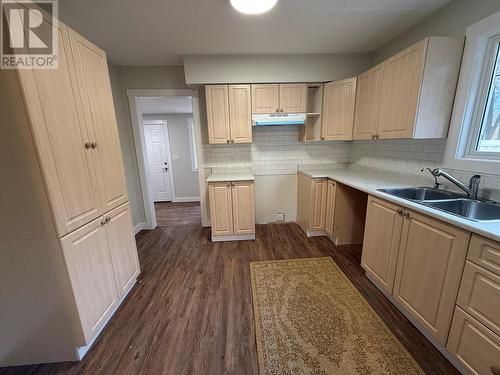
223 174
371 180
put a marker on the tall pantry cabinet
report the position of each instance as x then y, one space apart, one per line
67 250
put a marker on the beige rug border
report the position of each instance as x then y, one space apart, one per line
255 303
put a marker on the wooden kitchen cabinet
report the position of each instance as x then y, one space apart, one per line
240 113
338 110
384 222
330 207
229 113
221 210
99 113
217 99
430 262
318 194
243 201
283 98
367 106
293 97
90 268
232 210
475 347
411 94
61 134
122 247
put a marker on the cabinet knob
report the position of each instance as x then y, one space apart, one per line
88 145
377 136
495 370
407 215
93 145
281 110
399 211
103 221
227 140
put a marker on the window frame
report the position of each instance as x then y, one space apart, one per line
482 39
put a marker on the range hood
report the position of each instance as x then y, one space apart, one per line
273 119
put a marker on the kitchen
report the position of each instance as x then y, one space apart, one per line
327 194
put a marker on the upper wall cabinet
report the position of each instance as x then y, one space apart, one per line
285 98
411 94
338 110
367 103
229 113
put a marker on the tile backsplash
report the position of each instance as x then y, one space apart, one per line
277 150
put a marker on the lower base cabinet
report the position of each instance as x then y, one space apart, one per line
425 258
101 260
475 347
232 210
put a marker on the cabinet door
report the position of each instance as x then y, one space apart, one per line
59 130
384 222
221 212
99 111
338 110
218 114
123 248
367 105
330 207
240 113
293 98
265 98
430 264
400 91
473 345
318 198
243 207
90 270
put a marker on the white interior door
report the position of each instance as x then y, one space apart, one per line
159 165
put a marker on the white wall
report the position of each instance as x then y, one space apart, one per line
185 180
273 68
137 77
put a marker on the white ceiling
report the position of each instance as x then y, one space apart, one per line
160 32
162 105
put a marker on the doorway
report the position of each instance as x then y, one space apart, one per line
167 134
159 161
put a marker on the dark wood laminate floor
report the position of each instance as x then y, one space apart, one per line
168 213
191 312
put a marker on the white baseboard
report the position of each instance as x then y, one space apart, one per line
186 199
139 227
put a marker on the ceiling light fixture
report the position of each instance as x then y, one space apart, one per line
253 6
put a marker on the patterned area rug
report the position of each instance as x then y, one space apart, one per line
310 319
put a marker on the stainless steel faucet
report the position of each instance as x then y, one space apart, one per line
473 183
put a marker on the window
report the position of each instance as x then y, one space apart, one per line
489 131
192 145
484 136
474 138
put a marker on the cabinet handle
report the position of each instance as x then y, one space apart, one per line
399 211
88 145
495 370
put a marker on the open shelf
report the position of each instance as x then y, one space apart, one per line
311 131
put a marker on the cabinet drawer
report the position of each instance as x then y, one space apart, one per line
474 346
480 296
485 253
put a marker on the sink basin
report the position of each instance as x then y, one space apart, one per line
468 209
421 193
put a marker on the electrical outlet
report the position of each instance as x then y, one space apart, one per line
279 217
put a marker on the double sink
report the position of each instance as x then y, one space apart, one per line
450 202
